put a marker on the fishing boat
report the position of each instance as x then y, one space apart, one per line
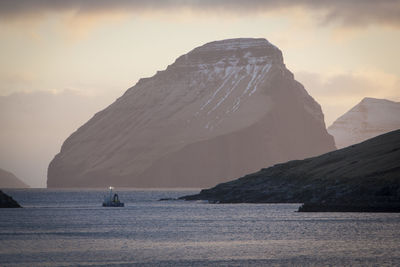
112 200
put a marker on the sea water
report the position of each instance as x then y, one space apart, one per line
71 228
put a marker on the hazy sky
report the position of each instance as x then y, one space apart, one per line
340 50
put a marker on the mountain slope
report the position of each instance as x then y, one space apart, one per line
9 180
222 110
369 118
365 176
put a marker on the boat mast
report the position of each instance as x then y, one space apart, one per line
110 198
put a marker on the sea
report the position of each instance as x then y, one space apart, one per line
71 228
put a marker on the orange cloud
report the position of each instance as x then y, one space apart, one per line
78 25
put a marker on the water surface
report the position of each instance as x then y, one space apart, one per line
70 228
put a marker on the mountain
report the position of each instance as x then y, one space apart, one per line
369 118
222 110
362 177
9 180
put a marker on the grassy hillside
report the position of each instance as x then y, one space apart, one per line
361 177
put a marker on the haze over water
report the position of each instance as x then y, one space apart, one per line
70 228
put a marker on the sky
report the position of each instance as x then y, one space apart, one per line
62 61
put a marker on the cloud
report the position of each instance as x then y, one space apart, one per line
372 83
345 12
14 81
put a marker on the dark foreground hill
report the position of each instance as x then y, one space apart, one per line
361 177
7 202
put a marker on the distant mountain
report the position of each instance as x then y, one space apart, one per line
362 177
9 180
225 109
369 118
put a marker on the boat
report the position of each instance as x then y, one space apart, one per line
112 200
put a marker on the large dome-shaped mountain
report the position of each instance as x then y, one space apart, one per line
222 110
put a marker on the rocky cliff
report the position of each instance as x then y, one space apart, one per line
7 202
222 110
369 118
362 177
9 180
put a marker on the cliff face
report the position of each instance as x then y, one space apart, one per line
362 177
369 118
225 109
9 180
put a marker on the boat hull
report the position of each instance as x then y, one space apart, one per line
113 204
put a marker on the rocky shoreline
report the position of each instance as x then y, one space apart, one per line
8 202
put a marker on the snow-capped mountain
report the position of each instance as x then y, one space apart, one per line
369 118
222 110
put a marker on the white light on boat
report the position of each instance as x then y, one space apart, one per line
112 200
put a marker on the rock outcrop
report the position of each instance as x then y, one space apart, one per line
222 110
369 118
7 202
362 177
9 180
